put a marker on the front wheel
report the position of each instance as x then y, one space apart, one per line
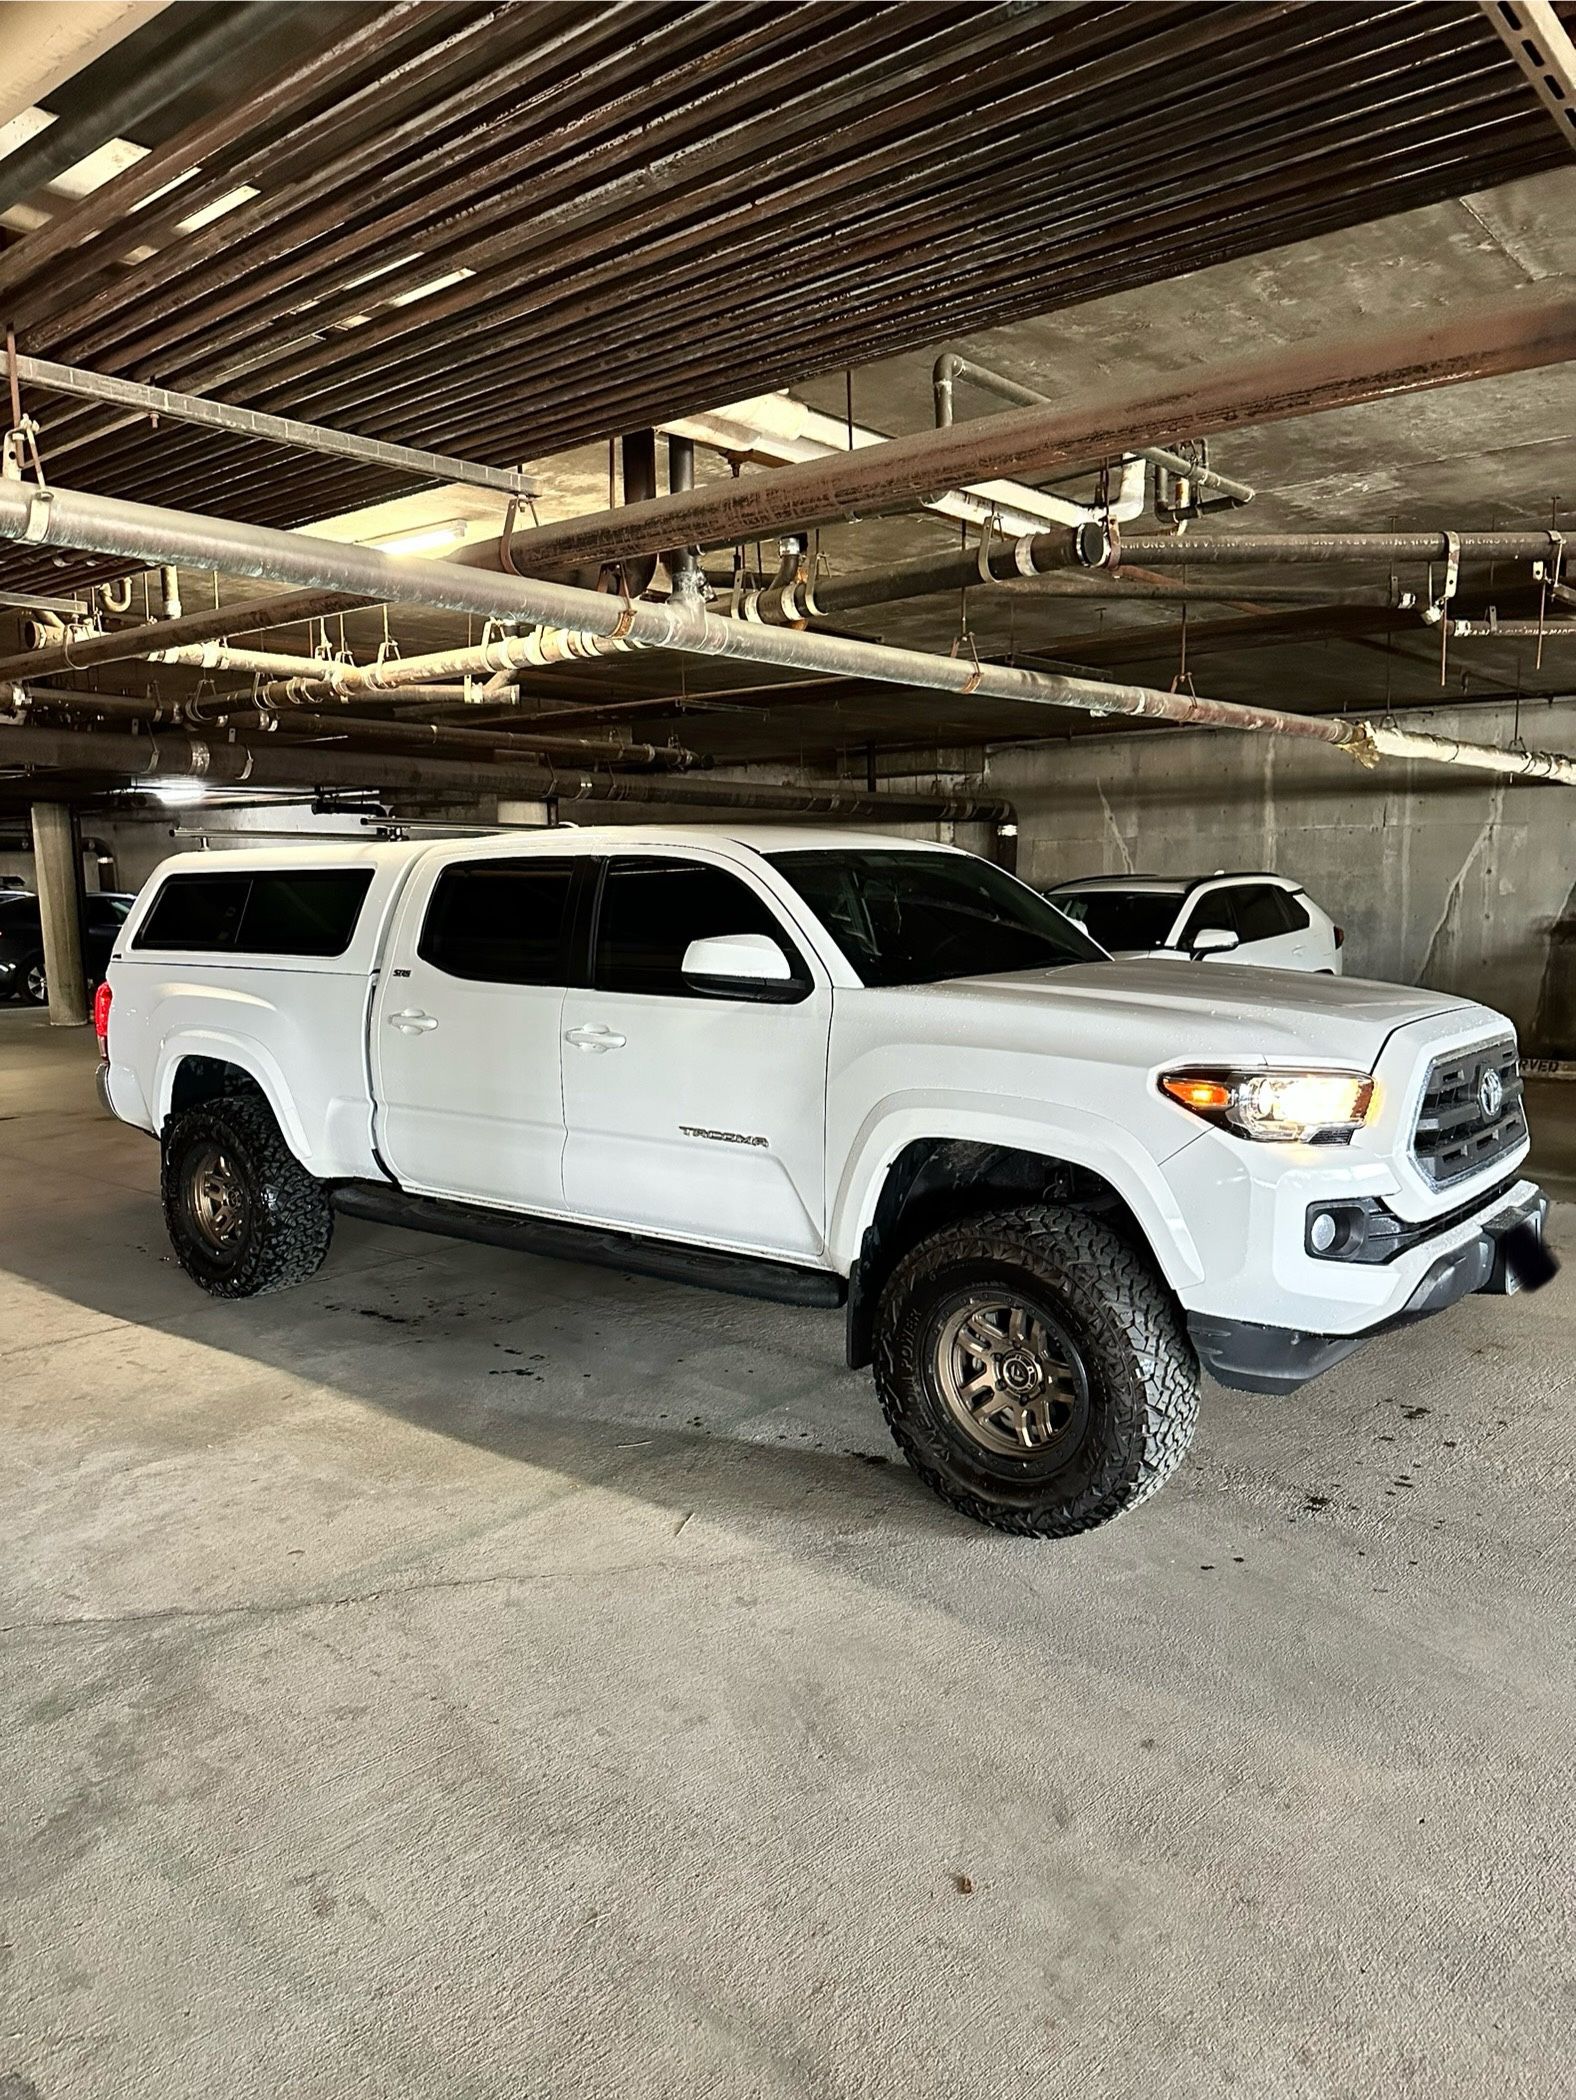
1035 1371
35 985
244 1215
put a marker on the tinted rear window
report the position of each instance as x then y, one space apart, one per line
310 911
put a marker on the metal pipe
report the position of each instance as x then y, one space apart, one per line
170 592
430 736
244 618
65 517
689 579
1167 550
1511 630
271 430
242 710
1384 742
275 762
1477 343
952 366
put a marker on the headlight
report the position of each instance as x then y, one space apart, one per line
1280 1107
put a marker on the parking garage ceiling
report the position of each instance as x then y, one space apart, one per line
516 232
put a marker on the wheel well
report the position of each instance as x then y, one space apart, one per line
936 1181
206 1079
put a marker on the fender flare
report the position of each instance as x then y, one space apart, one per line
249 1056
1071 1136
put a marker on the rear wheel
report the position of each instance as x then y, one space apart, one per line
1035 1371
244 1215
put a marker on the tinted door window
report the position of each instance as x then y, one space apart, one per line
106 914
921 918
502 921
652 909
1214 912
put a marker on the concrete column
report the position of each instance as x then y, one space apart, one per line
58 873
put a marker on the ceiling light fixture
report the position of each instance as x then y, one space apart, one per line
422 539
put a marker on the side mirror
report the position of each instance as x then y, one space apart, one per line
1214 940
741 966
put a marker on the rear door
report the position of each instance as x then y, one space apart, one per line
465 1029
1273 927
1256 912
688 1114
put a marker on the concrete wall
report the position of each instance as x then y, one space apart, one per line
1440 876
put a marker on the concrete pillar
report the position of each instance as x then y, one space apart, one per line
58 872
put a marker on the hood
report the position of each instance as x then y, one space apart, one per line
1213 1010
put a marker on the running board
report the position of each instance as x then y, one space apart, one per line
745 1275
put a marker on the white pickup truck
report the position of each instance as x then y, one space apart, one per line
827 1069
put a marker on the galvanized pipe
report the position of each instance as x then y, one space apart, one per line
63 517
129 642
106 525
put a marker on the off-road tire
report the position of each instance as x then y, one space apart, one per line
1140 1375
286 1219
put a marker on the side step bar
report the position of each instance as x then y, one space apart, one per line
746 1275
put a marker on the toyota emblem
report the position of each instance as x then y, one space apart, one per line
1491 1095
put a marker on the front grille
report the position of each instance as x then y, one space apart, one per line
1456 1133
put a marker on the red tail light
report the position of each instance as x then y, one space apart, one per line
1340 936
102 1000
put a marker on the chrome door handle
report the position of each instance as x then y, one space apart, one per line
594 1037
412 1021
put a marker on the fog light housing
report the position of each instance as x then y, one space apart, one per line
1339 1231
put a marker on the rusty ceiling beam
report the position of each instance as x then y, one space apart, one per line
1478 343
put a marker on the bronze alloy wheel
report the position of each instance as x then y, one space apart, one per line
1010 1377
216 1199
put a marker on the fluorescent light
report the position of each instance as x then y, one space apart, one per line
425 291
177 792
25 125
423 539
102 165
232 200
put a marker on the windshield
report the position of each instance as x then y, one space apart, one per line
1123 918
916 918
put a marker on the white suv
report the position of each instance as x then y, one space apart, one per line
1264 919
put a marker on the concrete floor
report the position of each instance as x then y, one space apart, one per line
470 1676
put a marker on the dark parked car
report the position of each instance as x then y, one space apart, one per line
22 941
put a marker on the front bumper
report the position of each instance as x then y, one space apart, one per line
1253 1358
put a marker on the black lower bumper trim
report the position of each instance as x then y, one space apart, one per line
747 1276
1250 1358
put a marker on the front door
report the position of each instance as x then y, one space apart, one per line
465 1030
688 1114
